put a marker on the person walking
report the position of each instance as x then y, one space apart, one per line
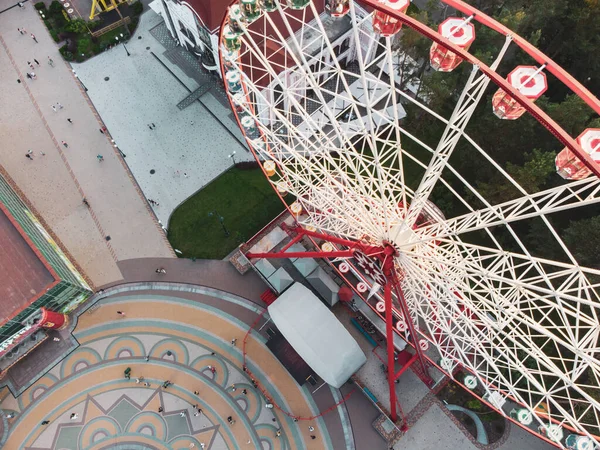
30 65
65 144
85 202
33 75
59 106
36 61
160 409
121 313
27 155
29 75
45 422
161 270
53 108
20 30
69 120
33 37
100 157
50 61
73 416
234 341
182 414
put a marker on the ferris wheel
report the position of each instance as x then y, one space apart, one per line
318 91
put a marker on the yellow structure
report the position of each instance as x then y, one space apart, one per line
100 6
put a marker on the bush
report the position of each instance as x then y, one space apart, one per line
54 35
84 45
56 8
40 6
64 51
474 405
133 25
137 8
78 26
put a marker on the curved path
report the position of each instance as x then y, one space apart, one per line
183 338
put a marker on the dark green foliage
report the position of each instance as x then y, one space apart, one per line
40 6
56 7
583 238
137 8
64 51
133 25
78 26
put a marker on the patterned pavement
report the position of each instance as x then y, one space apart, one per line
182 340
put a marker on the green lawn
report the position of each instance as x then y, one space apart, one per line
246 201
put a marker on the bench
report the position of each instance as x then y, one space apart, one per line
364 333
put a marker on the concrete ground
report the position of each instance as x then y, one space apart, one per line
119 224
182 330
140 92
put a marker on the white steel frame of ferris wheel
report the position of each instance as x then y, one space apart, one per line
572 194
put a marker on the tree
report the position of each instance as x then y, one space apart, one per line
583 239
78 26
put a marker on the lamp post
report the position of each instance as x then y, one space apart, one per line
122 42
221 220
75 75
232 156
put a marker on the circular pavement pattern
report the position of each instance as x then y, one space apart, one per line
92 405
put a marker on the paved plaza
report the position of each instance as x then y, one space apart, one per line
119 224
188 148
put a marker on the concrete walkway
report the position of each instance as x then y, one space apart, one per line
119 225
187 148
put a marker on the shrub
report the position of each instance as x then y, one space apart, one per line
133 25
40 6
137 8
84 45
54 35
64 51
56 8
78 26
474 405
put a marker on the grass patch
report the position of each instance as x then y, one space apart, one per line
245 200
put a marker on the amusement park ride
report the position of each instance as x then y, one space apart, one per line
523 329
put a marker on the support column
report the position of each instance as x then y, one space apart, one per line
390 349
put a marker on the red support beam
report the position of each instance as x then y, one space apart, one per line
405 367
275 255
390 349
292 242
411 329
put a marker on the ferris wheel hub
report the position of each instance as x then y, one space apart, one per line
403 237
